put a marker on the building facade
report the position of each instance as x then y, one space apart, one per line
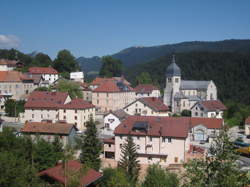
146 90
147 106
48 73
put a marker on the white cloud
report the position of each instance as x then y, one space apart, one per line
9 41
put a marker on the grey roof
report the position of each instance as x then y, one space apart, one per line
194 85
121 114
180 95
193 98
173 69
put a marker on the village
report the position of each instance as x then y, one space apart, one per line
168 128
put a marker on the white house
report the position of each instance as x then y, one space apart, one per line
147 106
147 90
112 120
48 73
209 109
77 76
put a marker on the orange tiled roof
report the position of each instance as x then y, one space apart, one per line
42 70
78 104
58 173
8 62
12 76
47 128
154 103
43 99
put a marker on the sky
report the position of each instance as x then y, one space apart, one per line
101 27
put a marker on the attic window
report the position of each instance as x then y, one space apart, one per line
140 126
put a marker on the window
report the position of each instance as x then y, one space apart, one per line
106 125
150 139
169 80
64 117
121 137
150 158
97 101
109 145
75 124
169 140
64 111
32 115
138 146
120 145
138 138
75 117
176 80
75 111
41 116
163 139
196 113
183 103
175 159
107 95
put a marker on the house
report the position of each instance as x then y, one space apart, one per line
86 92
58 106
77 76
247 126
163 140
60 174
183 94
112 120
146 90
147 106
48 131
112 94
48 73
8 65
78 112
15 85
209 109
42 105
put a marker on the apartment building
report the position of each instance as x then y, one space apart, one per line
48 74
147 90
163 140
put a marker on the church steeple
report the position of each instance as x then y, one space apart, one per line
173 69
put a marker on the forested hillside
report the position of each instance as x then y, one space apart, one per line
139 55
229 70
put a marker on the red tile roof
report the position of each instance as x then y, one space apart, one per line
145 88
111 85
58 173
43 99
210 123
158 126
99 80
8 62
109 140
12 76
42 70
247 120
154 103
213 105
78 104
165 126
47 128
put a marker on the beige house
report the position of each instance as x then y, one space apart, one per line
56 106
48 131
77 112
8 65
15 85
163 140
112 95
147 106
247 126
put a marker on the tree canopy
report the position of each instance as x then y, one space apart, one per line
65 62
90 146
111 67
144 78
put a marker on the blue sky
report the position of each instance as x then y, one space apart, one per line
101 27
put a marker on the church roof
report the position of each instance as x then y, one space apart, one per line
173 69
194 85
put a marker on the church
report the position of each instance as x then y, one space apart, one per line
181 95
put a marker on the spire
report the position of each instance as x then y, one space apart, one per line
173 69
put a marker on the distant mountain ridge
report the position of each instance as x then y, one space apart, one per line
138 55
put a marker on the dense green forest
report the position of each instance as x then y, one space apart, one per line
229 70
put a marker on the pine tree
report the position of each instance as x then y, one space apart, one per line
129 161
58 148
91 146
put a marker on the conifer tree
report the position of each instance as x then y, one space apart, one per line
129 162
90 146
